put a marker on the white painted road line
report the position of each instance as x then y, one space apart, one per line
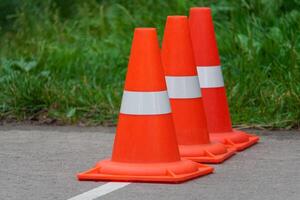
100 191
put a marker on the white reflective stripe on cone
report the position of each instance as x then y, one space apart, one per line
210 77
183 87
145 103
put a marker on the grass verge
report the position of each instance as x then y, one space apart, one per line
65 61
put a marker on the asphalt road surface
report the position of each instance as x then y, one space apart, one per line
40 162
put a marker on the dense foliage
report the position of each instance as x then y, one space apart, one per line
65 61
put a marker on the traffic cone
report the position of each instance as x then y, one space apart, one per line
185 96
212 84
145 147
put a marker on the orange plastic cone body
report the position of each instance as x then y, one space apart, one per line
145 147
185 96
211 82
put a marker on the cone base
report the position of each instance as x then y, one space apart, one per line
178 171
238 139
207 153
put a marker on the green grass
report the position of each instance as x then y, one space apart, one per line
65 61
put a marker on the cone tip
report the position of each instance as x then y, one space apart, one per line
176 20
176 17
145 32
144 29
200 9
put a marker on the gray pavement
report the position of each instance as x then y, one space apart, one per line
40 162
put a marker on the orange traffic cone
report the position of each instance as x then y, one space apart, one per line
145 147
185 96
211 82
